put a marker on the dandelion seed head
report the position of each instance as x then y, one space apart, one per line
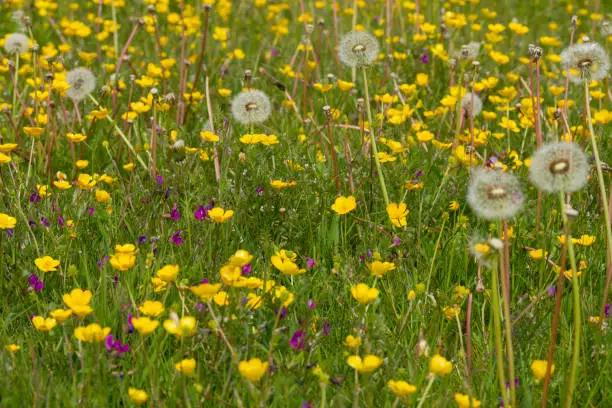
494 195
82 82
16 43
587 61
471 104
358 48
558 167
251 107
469 51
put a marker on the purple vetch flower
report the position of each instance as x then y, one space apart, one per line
102 262
297 340
552 290
142 239
175 214
60 221
516 383
607 311
259 191
44 221
326 328
31 223
199 307
418 174
204 280
361 258
130 328
35 198
90 211
160 180
10 232
35 283
282 312
246 269
274 52
369 253
425 59
201 213
115 345
311 304
396 242
306 404
176 238
310 263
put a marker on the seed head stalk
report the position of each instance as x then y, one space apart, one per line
505 283
501 376
576 301
604 199
374 153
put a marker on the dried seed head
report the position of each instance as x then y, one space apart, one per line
535 52
587 61
16 43
82 82
358 48
471 104
251 107
494 195
558 167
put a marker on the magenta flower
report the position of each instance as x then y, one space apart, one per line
297 340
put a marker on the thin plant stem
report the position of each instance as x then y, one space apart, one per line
501 376
576 301
504 272
429 384
374 153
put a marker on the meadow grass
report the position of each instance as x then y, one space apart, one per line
263 232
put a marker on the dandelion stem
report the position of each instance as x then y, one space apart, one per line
433 259
497 329
431 380
505 272
374 153
576 299
604 199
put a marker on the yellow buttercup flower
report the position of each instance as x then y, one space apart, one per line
42 324
206 291
401 388
352 342
366 365
253 369
152 308
144 325
363 293
378 268
183 327
137 396
122 261
47 264
284 261
219 215
397 214
440 366
7 222
61 315
539 367
168 273
344 205
94 333
464 401
78 301
12 348
186 367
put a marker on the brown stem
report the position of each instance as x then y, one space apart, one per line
468 333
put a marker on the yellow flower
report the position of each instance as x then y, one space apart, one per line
422 79
102 196
137 396
122 261
378 268
363 293
12 348
42 324
183 327
5 158
253 369
584 240
401 388
425 136
539 367
61 315
453 206
509 124
463 401
94 333
451 311
186 367
206 291
7 222
62 184
352 342
284 261
538 254
365 365
168 273
221 298
78 301
344 205
81 164
440 366
209 136
253 301
152 308
85 181
397 214
219 215
125 248
47 264
76 137
144 325
345 86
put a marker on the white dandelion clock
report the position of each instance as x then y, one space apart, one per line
358 49
471 104
16 43
587 61
558 167
494 195
82 82
250 107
